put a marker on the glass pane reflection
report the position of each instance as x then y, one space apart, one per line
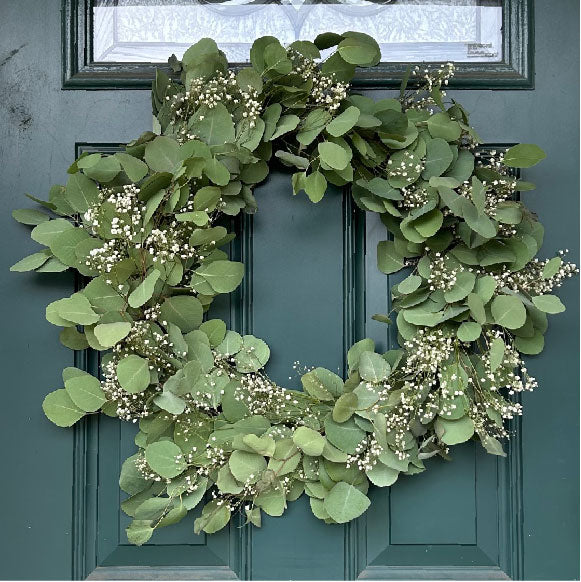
407 30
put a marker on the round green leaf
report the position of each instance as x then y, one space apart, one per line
322 384
381 475
453 432
215 516
548 303
165 458
162 154
476 306
215 329
552 267
246 467
345 502
139 531
272 501
81 192
439 156
530 345
109 334
333 155
63 245
60 409
389 260
253 355
315 186
183 310
429 224
523 155
345 436
73 339
508 311
231 344
485 287
86 392
30 216
442 126
135 169
372 367
343 122
30 262
45 232
409 284
133 374
216 127
345 406
77 309
357 52
223 276
309 441
144 291
469 331
464 284
496 353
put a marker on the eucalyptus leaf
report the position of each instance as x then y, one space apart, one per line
165 458
309 441
133 373
345 502
60 408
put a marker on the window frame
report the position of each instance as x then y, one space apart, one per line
515 71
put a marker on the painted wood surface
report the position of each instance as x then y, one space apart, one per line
312 289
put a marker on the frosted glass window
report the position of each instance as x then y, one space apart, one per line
149 31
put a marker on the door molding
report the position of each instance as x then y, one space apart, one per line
515 71
507 565
508 561
86 455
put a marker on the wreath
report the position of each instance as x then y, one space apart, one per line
144 228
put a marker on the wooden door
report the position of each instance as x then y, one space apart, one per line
311 287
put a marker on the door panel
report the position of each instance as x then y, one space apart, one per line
311 288
107 443
297 291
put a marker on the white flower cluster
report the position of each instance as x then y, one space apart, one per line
327 92
429 79
303 66
366 454
125 226
408 165
530 278
413 197
426 352
130 407
103 259
435 77
169 243
442 276
222 88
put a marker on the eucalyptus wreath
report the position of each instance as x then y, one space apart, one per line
144 228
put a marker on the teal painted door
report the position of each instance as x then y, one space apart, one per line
311 288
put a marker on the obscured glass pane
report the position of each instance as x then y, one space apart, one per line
407 30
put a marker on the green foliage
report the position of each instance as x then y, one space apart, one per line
165 458
60 409
309 441
144 228
85 391
345 502
133 374
523 155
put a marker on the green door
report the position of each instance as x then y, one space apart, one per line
311 287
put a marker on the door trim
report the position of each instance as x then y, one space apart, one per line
515 71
